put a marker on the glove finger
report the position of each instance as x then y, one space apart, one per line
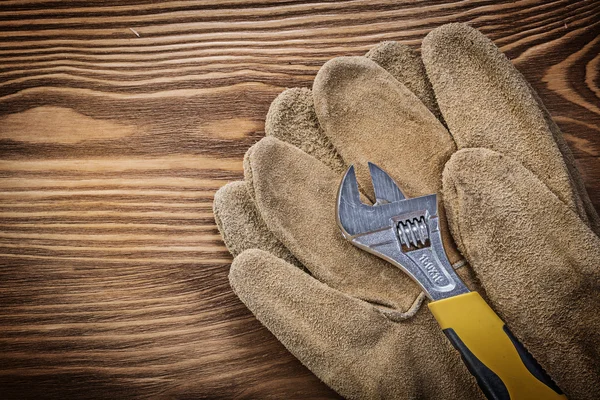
296 196
346 342
487 103
370 116
241 226
405 64
536 260
292 118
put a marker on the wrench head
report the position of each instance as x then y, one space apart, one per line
356 218
404 232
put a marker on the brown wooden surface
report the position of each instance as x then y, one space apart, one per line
117 124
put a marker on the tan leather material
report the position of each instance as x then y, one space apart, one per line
296 196
487 103
241 226
292 118
371 116
406 66
537 261
515 206
346 342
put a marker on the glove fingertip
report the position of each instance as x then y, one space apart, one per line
292 119
225 203
447 38
246 270
405 64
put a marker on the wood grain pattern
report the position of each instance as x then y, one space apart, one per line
118 121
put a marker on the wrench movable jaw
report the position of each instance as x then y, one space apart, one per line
404 232
386 190
356 218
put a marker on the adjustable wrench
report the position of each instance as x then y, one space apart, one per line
406 233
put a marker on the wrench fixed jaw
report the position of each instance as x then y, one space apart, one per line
404 232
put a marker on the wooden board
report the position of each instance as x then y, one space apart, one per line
117 124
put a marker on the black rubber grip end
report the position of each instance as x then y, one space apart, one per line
531 363
491 385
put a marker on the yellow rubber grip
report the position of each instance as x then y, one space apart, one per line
502 366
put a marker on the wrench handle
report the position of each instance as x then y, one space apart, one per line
504 369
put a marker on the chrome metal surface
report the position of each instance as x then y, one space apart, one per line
403 231
413 233
386 190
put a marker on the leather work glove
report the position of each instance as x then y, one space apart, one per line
513 200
